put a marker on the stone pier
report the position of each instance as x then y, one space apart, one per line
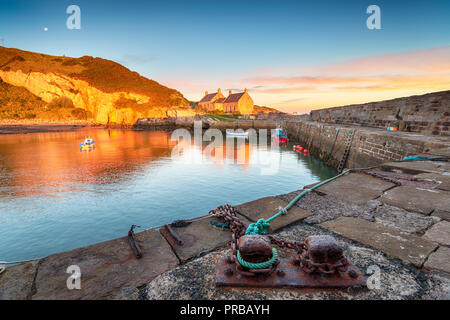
394 219
392 225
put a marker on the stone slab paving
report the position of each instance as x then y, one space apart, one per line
356 188
105 267
444 215
267 207
417 199
439 260
199 237
16 281
327 207
438 284
408 247
196 279
403 220
442 178
417 167
439 233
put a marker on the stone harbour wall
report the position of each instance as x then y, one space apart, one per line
369 146
428 114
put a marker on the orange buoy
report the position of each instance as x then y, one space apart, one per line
305 151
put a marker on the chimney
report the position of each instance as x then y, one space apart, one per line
218 91
229 93
206 93
245 90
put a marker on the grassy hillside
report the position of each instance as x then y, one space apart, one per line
264 109
20 104
102 74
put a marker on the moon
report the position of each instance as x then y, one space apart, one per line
45 29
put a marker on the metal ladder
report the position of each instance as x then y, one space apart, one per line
348 144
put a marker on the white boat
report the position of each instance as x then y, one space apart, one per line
237 133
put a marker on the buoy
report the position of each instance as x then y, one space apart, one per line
305 151
300 148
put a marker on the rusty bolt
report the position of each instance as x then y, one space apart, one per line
280 273
229 272
352 273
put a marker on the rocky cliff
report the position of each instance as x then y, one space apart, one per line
107 91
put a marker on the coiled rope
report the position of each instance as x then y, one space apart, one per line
260 265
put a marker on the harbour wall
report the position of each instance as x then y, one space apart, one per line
327 141
427 114
369 146
208 122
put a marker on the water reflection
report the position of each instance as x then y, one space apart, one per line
54 197
52 162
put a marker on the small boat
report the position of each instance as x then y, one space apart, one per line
87 145
280 137
237 133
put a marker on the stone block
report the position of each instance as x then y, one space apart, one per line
417 199
442 179
399 244
198 237
418 167
444 215
439 233
439 260
403 220
105 267
267 207
16 281
356 188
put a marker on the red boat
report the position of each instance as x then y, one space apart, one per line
280 137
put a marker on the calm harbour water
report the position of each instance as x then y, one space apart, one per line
55 198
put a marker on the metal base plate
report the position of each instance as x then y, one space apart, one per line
290 276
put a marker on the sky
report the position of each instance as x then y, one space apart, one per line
292 55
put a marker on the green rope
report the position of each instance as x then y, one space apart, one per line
259 227
220 224
260 265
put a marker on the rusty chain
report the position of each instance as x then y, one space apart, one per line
382 177
237 228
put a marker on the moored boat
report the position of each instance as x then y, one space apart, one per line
236 133
280 137
87 145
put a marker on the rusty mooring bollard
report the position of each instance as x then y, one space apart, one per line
324 255
255 248
318 262
133 244
324 249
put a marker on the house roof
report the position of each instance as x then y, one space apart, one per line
234 97
208 97
220 100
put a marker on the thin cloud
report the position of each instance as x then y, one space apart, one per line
414 70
